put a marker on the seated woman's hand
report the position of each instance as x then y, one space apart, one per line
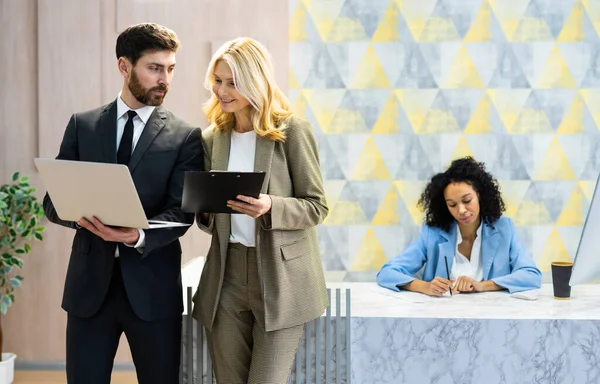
466 284
437 286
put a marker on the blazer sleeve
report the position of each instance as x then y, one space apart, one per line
401 269
524 274
69 150
308 207
190 158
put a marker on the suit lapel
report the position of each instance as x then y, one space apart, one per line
263 158
155 124
108 132
489 247
446 249
220 161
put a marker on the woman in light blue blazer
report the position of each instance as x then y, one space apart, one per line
464 228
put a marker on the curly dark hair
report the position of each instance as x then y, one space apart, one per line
466 170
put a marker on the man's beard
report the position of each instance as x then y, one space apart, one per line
146 96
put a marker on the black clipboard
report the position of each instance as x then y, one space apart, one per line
208 192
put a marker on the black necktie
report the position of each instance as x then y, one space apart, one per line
124 152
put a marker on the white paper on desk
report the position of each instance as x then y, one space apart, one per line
526 295
408 296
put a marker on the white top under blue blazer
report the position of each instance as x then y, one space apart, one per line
504 259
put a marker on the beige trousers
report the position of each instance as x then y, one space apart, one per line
242 351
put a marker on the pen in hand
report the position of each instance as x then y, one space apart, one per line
447 272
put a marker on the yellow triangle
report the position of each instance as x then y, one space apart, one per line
346 212
572 122
387 121
347 121
531 121
532 29
509 13
480 31
416 15
555 73
554 250
370 73
462 73
532 213
416 103
593 10
592 99
323 14
387 30
462 149
370 255
387 214
439 29
411 192
333 190
293 82
555 165
588 188
513 192
346 29
300 105
298 24
509 103
573 212
480 118
572 30
370 164
324 102
438 121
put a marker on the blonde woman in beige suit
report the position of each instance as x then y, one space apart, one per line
263 278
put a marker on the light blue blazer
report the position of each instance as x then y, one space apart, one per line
504 259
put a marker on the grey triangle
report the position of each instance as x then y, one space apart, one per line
583 153
554 194
312 33
432 55
462 103
404 32
333 242
323 72
555 103
555 13
462 13
413 160
395 238
532 102
301 56
368 102
508 72
339 54
415 72
439 11
508 164
339 146
432 147
330 168
369 13
369 194
592 76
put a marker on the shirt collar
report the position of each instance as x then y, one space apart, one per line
143 113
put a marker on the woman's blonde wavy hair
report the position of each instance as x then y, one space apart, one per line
254 79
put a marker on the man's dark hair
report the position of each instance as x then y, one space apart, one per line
143 38
465 170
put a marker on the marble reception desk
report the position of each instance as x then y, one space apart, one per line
482 338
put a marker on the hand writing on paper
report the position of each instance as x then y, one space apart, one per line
119 235
438 286
251 206
466 284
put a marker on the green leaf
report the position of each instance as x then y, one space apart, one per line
6 256
3 205
7 300
19 277
15 176
7 270
3 308
15 282
27 247
20 251
3 195
40 229
39 237
18 262
32 222
25 234
12 298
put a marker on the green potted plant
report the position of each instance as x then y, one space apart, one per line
20 217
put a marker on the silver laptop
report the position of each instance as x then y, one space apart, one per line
106 191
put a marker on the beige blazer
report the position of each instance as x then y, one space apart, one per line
290 268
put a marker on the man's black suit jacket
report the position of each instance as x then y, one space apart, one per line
167 148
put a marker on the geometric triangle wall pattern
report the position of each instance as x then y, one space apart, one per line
397 89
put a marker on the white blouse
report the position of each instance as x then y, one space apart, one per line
465 267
